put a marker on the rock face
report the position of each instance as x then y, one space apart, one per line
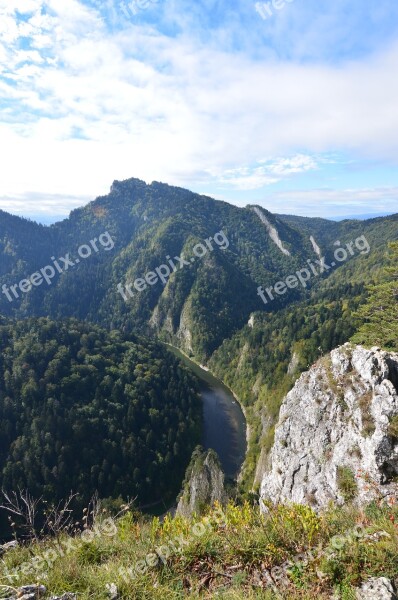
204 484
376 589
272 231
337 436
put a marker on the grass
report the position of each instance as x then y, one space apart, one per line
335 385
225 556
393 427
368 424
347 483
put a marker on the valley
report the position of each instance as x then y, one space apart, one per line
224 425
210 309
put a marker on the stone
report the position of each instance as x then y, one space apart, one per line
111 589
332 441
31 592
376 589
204 484
8 546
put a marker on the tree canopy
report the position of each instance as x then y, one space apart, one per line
82 409
379 316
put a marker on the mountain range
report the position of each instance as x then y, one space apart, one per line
256 296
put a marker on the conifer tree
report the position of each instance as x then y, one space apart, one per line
379 316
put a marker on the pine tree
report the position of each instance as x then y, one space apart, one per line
379 316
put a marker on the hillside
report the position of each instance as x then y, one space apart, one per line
91 401
195 306
231 553
262 361
87 410
346 550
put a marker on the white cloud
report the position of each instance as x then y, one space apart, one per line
295 164
42 205
331 203
267 172
87 106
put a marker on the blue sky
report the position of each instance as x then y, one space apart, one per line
289 104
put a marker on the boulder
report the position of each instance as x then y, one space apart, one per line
376 589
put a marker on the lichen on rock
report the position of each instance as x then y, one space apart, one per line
335 440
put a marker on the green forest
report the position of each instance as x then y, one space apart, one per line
87 410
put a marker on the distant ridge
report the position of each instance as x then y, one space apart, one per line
363 217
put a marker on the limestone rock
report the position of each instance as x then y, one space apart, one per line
376 589
204 484
336 436
112 591
31 592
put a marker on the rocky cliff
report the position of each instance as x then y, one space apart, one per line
337 436
204 484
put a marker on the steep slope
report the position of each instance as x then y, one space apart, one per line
22 243
203 485
262 361
195 307
86 410
337 435
205 261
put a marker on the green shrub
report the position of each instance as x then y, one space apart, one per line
347 483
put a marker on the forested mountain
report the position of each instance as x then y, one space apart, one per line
263 360
87 410
213 257
198 306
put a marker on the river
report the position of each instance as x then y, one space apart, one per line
224 425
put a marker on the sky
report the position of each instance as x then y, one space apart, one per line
289 104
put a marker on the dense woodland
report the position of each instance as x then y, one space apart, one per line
84 410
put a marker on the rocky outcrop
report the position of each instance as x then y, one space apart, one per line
8 546
28 592
272 231
337 436
376 589
204 484
184 333
315 246
294 363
